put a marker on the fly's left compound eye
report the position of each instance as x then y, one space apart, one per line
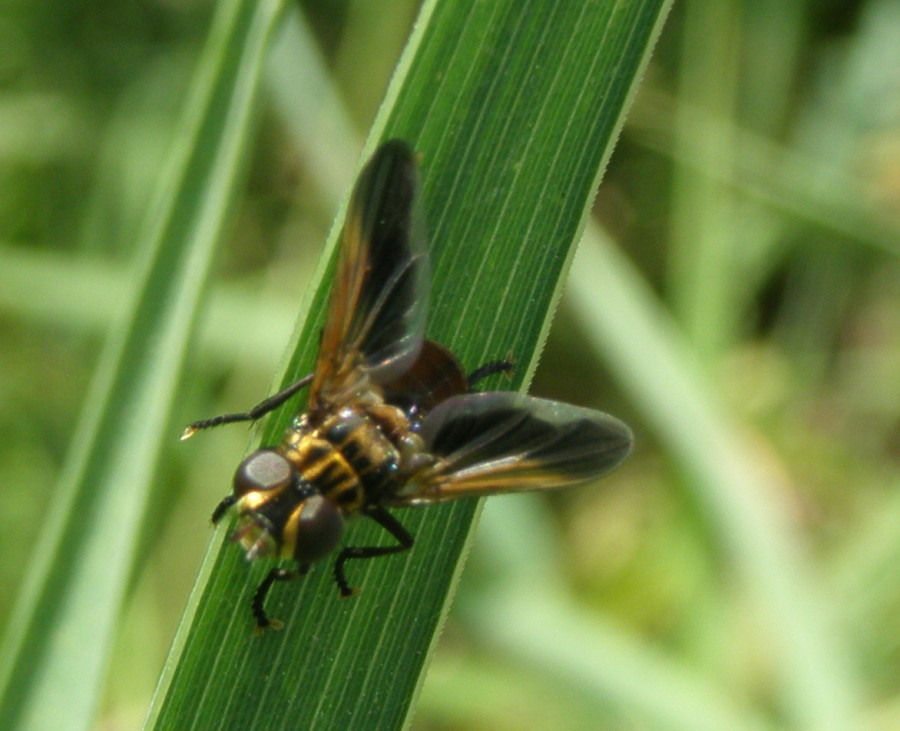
263 470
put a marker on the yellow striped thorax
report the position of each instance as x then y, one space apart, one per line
349 456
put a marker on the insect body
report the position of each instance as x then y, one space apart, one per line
391 419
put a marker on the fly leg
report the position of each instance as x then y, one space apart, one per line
222 508
259 612
261 409
392 526
489 369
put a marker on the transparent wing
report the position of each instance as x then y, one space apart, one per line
376 313
490 443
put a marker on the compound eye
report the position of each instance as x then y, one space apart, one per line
263 470
317 528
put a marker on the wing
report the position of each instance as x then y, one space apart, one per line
376 313
490 443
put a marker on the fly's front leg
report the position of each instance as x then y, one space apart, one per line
259 611
258 411
392 526
224 504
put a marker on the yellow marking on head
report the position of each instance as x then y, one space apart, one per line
252 501
289 532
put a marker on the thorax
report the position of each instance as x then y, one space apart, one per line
354 456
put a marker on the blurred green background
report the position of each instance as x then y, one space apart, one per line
756 188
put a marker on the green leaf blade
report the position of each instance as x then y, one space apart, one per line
57 646
513 108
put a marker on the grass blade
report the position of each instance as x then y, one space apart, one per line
513 108
57 645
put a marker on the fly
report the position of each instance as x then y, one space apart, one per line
392 419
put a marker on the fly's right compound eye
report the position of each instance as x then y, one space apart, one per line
262 471
314 530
